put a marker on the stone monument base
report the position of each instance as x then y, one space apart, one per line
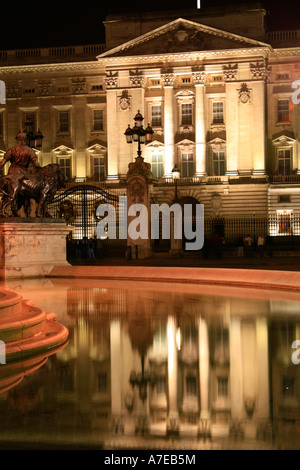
31 247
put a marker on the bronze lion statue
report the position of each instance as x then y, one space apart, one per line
19 188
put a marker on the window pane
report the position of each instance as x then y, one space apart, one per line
63 121
186 114
283 108
157 166
218 163
98 168
156 116
187 164
284 161
98 120
218 115
65 166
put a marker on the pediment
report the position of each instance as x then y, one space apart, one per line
181 36
283 140
63 150
96 146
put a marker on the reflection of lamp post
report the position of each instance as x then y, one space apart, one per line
138 133
32 139
176 176
141 380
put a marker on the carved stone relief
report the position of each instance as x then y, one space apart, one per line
244 94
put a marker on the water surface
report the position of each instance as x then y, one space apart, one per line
159 366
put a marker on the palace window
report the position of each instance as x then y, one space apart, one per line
187 164
191 385
283 110
186 114
222 387
284 161
98 120
156 120
218 112
99 168
160 385
102 382
218 163
157 165
63 121
65 166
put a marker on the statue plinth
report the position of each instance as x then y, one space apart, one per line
31 247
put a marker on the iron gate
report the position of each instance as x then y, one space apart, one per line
78 205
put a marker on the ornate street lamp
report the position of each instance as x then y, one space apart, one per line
176 176
33 140
138 133
141 380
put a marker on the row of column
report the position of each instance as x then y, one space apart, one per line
244 117
249 370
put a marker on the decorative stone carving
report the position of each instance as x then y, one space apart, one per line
230 72
216 204
168 79
141 168
12 91
199 77
244 94
45 88
124 101
260 71
136 78
79 86
111 79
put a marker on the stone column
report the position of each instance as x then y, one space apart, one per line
116 376
204 423
173 418
168 81
232 119
260 72
112 143
199 81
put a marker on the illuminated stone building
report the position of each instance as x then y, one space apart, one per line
215 86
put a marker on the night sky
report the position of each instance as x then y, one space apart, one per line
60 23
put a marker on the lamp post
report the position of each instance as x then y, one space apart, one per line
176 176
33 139
141 380
138 133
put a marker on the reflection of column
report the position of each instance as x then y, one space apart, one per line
236 369
204 375
173 423
199 79
263 401
168 80
116 366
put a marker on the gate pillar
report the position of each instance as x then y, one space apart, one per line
138 181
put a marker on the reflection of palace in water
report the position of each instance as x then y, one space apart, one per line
184 364
192 363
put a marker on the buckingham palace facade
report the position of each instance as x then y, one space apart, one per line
218 89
